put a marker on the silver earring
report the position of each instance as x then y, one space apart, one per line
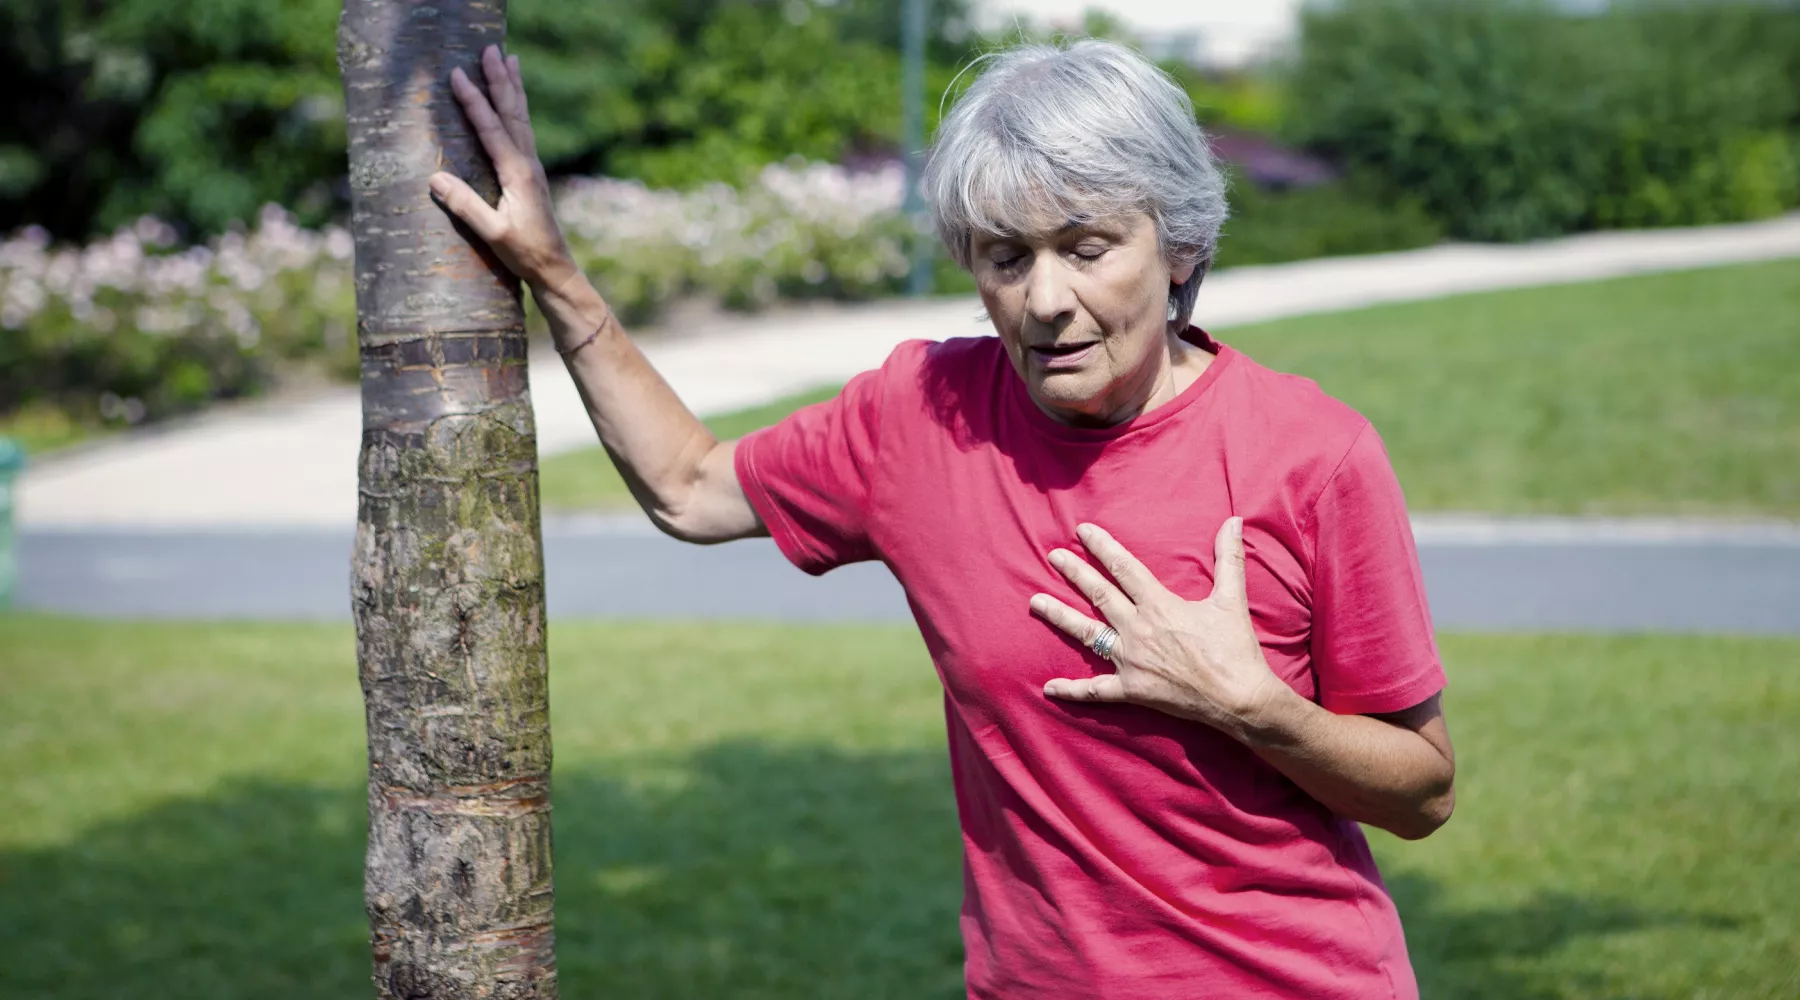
1174 308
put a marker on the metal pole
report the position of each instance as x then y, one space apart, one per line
912 86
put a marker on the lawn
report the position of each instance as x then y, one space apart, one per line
749 811
1675 393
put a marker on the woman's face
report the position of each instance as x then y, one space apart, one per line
1083 311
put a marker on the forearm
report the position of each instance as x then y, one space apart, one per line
1384 773
676 469
680 474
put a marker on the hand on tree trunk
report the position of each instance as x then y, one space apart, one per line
521 230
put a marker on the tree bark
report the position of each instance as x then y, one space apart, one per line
447 581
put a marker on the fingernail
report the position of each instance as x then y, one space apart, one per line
1237 527
1039 602
1057 556
1083 530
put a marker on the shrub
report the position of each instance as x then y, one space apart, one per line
1342 217
202 111
797 231
197 110
128 328
1512 119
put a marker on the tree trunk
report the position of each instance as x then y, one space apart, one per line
447 581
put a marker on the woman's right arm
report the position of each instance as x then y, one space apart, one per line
684 478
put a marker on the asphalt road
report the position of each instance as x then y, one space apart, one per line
1509 581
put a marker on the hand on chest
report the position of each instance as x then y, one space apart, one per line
971 572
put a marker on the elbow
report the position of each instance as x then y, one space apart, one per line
682 529
1431 814
696 506
676 514
702 520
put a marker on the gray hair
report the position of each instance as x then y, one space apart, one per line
1086 131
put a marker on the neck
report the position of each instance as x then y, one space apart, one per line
1165 375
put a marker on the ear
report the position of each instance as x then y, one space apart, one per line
1182 272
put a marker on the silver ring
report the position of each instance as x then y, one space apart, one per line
1103 643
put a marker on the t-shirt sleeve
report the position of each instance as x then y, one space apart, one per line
810 476
1372 645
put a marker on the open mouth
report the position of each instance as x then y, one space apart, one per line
1063 355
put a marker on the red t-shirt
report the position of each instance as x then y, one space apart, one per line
1112 851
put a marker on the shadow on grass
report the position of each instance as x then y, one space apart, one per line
748 870
1506 952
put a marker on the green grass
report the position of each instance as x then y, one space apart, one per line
587 479
765 812
1670 394
1674 393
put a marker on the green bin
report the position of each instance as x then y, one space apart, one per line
12 461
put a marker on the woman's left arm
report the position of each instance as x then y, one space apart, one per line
1201 660
1395 771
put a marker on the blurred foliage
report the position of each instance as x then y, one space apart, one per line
1513 120
793 231
712 90
202 111
132 327
198 110
1356 215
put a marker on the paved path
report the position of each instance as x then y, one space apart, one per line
294 465
1482 574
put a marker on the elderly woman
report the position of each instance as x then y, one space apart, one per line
1172 595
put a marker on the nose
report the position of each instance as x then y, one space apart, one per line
1049 297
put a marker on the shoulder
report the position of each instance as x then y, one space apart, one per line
920 381
955 358
1298 433
1291 411
931 371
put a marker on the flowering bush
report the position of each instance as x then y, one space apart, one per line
800 231
132 326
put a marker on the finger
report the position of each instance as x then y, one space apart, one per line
506 92
1099 591
1105 687
1138 583
1228 564
512 66
488 127
465 204
1076 625
530 134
